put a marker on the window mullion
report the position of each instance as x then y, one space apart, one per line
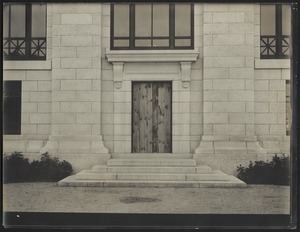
131 26
9 28
9 20
28 31
151 25
192 25
112 25
172 26
278 22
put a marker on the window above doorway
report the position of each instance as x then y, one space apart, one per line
152 26
275 31
24 31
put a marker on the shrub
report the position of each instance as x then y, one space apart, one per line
15 167
259 172
47 169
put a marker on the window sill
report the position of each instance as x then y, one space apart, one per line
13 137
272 63
152 55
27 65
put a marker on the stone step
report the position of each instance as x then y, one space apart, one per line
99 168
72 182
203 169
152 156
216 175
172 177
152 162
89 175
150 169
147 177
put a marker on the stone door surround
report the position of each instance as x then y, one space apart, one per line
180 62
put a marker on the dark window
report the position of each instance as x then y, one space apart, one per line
12 107
24 31
275 31
152 26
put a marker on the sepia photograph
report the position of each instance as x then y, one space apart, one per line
149 114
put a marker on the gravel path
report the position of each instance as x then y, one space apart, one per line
48 197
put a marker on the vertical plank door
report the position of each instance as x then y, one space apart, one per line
151 117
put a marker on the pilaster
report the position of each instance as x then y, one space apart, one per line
76 80
228 80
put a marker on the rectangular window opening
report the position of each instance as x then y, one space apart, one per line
24 31
152 26
275 31
12 107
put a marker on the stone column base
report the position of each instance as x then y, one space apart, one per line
23 143
78 144
81 151
248 146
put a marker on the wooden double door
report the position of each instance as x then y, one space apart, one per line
151 117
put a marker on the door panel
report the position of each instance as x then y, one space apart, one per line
151 117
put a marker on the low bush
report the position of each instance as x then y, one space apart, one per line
274 172
15 168
48 169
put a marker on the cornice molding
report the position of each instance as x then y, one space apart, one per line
152 55
184 57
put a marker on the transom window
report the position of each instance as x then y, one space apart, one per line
275 31
24 31
152 26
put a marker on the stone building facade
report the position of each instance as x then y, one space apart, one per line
229 105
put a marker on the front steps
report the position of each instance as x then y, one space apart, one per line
152 162
152 170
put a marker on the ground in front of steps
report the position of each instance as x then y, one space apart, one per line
48 197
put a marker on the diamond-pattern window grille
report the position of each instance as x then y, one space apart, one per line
18 49
274 47
285 46
38 47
